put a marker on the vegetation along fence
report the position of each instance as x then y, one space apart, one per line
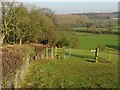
53 53
33 53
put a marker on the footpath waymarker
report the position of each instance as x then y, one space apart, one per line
96 54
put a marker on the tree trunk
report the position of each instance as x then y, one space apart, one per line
2 37
20 41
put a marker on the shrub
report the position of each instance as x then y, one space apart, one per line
74 42
101 47
29 52
68 40
63 42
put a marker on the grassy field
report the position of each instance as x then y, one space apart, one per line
91 41
78 70
74 72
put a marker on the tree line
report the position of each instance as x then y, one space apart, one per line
21 25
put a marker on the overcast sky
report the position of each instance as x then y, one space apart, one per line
75 6
67 0
79 7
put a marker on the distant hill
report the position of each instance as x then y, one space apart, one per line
99 15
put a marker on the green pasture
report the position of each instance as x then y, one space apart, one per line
74 72
116 30
78 70
89 42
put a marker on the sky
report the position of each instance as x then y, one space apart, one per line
68 0
79 7
75 6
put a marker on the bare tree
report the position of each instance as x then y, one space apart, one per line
6 18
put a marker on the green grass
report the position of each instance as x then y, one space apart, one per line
78 70
72 73
115 30
82 33
91 42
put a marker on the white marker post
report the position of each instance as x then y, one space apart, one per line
110 56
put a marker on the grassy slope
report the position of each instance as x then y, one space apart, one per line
72 73
76 71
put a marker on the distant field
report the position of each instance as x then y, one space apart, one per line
116 30
90 41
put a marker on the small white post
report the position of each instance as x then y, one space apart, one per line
70 51
110 56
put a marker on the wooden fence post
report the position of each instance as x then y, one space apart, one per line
12 85
96 54
55 52
46 52
64 52
51 52
42 54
